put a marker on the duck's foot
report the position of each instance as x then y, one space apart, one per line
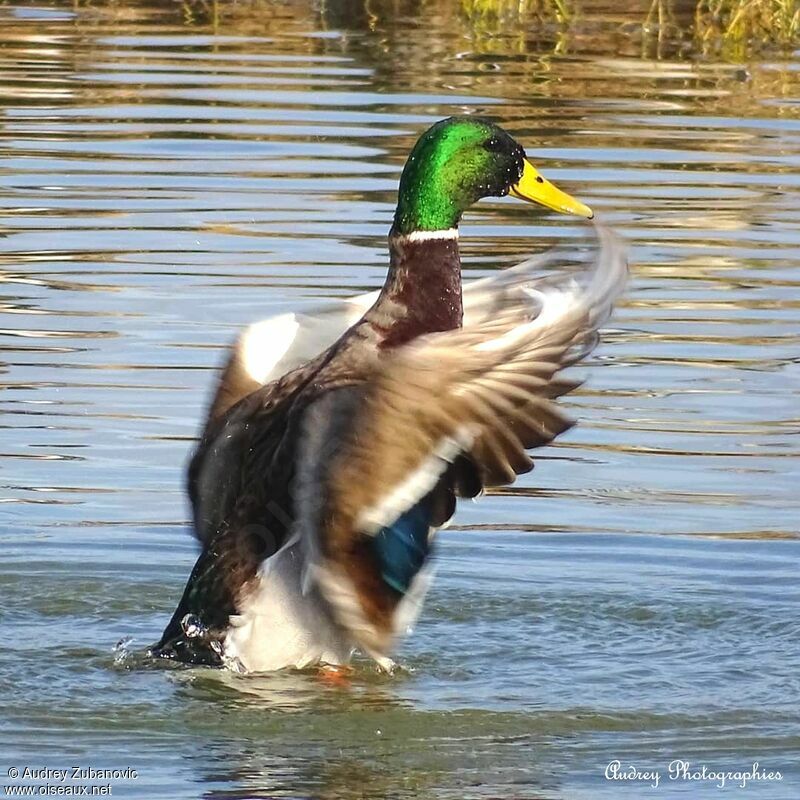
335 676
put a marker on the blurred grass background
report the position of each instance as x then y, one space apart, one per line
735 27
730 29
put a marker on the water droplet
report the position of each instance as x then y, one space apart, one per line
193 627
122 651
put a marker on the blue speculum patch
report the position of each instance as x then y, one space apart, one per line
403 546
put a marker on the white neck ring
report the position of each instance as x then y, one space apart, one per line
447 234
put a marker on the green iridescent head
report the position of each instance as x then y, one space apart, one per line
458 161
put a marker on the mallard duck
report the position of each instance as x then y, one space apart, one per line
336 445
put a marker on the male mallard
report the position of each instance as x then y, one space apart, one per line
318 484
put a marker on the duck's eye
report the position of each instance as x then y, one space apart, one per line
494 145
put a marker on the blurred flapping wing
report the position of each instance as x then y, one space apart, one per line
450 413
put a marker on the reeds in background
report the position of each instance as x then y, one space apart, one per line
741 25
734 28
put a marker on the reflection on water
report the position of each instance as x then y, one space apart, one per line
172 171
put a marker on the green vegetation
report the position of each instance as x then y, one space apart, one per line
560 10
743 24
729 27
734 30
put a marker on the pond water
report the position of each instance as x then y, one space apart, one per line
172 171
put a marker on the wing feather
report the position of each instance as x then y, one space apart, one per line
457 409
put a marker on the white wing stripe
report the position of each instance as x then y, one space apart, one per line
418 483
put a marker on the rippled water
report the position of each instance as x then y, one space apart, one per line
171 172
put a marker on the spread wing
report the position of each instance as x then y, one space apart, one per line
275 345
270 348
468 402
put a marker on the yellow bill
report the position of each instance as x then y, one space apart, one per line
536 189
